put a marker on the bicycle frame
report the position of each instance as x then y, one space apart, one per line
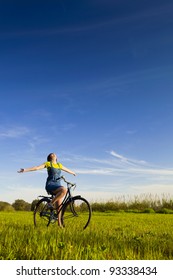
68 197
70 204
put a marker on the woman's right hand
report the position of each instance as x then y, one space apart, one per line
21 170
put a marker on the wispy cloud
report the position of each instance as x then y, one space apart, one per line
125 172
96 171
140 167
119 165
13 131
127 160
36 141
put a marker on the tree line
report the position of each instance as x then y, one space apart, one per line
17 205
144 204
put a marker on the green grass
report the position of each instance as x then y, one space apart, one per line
110 236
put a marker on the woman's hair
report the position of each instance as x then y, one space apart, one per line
50 156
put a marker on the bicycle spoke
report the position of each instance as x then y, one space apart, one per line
43 215
76 213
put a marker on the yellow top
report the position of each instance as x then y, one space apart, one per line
49 164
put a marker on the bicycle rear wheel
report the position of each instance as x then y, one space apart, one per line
43 216
76 213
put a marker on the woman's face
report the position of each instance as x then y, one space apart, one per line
54 156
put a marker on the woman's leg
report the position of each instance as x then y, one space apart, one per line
57 200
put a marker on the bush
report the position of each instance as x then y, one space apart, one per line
21 205
149 210
165 211
5 206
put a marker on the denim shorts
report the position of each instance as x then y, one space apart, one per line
52 186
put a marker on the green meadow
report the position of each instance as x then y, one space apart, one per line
110 236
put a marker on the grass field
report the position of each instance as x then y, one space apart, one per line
110 236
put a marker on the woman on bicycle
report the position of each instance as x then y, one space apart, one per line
53 182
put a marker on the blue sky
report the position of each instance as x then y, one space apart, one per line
91 81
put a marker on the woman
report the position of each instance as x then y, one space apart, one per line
53 182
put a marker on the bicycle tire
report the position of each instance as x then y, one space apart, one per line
42 214
76 213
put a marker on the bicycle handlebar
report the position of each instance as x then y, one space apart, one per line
68 183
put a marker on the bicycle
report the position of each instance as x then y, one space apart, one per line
75 210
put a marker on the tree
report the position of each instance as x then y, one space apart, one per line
33 204
21 205
5 206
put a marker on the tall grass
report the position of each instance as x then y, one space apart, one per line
138 203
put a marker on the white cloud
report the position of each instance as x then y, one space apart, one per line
127 160
97 178
98 171
118 156
13 131
125 171
120 165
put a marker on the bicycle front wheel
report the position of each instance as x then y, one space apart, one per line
76 213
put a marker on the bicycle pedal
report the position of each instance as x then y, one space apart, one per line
53 217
